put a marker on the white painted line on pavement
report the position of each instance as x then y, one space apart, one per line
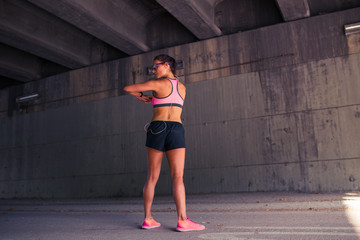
310 233
294 228
229 236
237 235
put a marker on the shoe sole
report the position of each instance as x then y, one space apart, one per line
150 227
187 230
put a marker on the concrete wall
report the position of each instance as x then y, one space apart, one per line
272 109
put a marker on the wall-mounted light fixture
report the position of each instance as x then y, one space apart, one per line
352 28
27 98
179 65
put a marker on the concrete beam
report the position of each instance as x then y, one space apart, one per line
115 22
294 9
197 16
6 82
18 65
24 67
31 29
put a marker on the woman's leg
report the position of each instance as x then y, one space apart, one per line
154 167
176 159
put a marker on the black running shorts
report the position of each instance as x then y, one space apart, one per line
165 135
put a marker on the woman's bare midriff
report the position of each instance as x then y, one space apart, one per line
172 113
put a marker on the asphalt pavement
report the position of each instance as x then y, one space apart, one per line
255 216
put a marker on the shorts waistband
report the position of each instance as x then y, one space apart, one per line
174 122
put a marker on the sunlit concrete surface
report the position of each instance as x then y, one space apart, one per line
255 216
352 202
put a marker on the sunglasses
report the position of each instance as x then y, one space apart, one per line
155 66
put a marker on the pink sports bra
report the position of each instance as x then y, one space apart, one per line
173 99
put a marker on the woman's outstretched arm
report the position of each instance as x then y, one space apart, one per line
138 89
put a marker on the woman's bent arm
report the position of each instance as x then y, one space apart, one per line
137 89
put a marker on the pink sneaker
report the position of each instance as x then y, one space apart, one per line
188 225
150 223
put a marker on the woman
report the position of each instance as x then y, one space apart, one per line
165 134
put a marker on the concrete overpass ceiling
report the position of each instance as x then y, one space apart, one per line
241 15
25 67
197 16
40 38
294 10
172 32
8 82
318 7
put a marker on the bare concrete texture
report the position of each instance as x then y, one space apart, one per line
233 15
17 64
293 10
197 16
272 47
33 30
97 149
53 29
275 109
115 23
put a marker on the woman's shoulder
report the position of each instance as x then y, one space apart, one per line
182 89
158 80
181 83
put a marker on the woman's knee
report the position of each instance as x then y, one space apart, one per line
177 178
152 179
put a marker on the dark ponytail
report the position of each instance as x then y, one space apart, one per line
166 58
